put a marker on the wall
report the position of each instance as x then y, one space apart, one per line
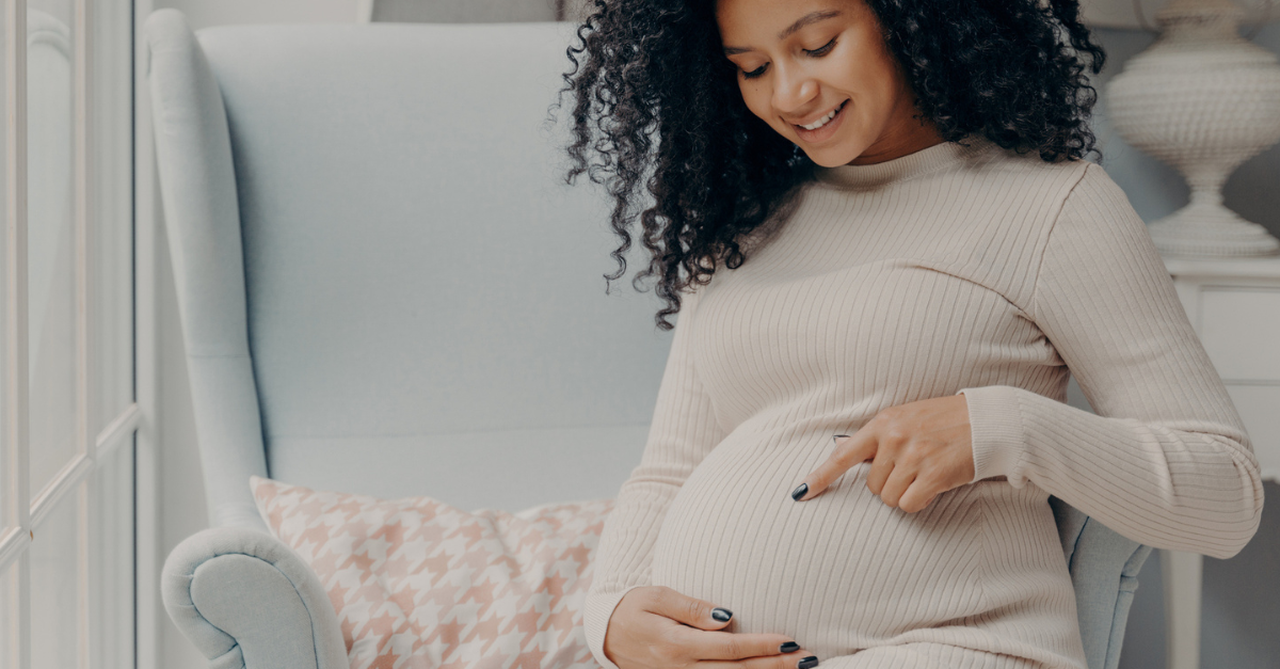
1241 595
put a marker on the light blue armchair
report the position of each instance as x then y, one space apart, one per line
386 288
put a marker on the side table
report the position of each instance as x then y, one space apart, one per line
1234 305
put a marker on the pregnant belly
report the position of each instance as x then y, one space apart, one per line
842 571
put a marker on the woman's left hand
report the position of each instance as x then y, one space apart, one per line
921 449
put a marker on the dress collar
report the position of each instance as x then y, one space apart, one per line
905 167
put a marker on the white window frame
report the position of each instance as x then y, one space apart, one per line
148 559
19 512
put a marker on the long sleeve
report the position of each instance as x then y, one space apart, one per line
683 431
1166 460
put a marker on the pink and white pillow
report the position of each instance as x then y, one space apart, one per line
420 584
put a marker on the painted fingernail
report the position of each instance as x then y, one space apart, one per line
806 663
789 647
721 614
837 437
800 491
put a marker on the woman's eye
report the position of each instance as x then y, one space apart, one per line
818 52
822 50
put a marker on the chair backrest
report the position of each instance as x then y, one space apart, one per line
423 296
384 282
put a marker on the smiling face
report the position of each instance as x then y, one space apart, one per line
800 61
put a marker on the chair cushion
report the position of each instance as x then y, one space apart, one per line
416 582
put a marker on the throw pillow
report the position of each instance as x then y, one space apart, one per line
420 584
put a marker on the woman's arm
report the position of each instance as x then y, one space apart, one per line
1166 461
683 431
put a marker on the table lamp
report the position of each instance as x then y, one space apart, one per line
1202 99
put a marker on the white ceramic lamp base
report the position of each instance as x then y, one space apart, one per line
1202 100
1207 229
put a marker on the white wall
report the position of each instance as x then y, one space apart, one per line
205 13
1239 609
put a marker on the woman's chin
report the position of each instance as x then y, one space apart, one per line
829 156
832 153
824 160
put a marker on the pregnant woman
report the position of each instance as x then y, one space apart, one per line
874 219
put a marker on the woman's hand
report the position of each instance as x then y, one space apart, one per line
656 627
920 449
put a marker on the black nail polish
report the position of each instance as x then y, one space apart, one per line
838 436
721 614
800 491
789 647
808 662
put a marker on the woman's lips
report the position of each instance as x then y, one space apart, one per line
826 131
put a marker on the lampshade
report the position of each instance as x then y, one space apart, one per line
1122 13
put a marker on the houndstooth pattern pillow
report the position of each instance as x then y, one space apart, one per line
420 584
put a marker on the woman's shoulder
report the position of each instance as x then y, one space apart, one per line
1029 170
1071 206
1096 210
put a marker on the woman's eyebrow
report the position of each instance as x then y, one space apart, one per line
812 17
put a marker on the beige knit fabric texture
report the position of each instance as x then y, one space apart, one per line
952 269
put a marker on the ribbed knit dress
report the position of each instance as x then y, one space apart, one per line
953 269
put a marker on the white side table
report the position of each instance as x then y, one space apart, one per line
1234 306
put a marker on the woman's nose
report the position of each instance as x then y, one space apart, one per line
793 93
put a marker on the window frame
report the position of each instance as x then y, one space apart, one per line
101 477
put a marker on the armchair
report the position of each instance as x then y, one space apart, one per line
359 212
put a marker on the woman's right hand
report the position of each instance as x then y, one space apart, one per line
646 632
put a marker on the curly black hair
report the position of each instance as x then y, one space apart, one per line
659 104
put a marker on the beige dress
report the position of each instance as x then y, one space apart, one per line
953 269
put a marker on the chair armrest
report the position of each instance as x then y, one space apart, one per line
245 599
197 180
